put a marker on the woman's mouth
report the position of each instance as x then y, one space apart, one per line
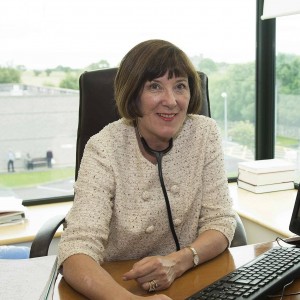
167 117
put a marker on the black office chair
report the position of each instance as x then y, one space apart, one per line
96 110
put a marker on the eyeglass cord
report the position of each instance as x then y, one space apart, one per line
159 155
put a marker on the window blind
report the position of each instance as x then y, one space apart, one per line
278 8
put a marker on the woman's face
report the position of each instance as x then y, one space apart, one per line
164 103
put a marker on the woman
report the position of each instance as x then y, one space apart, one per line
152 185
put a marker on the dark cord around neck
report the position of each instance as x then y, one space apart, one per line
159 155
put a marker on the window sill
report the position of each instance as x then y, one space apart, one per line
36 216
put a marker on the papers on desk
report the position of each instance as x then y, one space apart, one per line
28 279
11 210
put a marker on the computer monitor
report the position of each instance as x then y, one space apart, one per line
295 218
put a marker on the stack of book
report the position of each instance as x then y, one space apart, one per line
11 211
269 175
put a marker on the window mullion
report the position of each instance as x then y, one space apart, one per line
265 85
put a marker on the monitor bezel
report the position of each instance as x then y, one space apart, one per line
295 218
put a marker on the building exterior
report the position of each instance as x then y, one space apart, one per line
35 120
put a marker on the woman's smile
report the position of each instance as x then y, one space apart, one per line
167 117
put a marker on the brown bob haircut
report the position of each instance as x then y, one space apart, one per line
149 60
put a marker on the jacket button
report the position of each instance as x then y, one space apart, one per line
146 196
150 229
177 222
175 189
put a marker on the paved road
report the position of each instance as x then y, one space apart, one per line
55 189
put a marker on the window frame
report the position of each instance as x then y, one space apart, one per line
265 85
40 201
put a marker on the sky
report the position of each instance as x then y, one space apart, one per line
42 34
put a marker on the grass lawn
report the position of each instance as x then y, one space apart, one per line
32 178
286 142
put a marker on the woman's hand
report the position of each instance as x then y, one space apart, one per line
153 273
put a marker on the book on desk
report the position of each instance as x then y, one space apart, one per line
266 188
11 210
269 175
28 279
11 217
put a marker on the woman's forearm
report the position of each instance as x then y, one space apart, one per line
90 279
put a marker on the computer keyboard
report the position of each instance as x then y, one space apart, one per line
262 276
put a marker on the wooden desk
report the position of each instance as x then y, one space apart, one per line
190 282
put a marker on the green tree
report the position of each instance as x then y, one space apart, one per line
102 64
37 72
287 114
243 133
70 82
288 73
48 72
62 69
9 75
237 81
208 66
21 67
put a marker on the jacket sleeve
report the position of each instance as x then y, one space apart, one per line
89 218
216 211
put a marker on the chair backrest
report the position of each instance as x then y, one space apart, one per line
97 105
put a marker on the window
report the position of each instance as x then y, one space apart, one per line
287 130
46 45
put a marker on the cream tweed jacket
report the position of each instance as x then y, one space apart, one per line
119 211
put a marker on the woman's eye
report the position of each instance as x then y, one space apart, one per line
181 86
154 86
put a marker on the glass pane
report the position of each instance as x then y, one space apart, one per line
232 80
288 90
38 140
46 45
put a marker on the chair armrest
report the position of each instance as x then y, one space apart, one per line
42 241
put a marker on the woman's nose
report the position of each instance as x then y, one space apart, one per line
169 98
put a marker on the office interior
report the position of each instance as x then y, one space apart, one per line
265 216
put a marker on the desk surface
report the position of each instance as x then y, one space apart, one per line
270 210
190 282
